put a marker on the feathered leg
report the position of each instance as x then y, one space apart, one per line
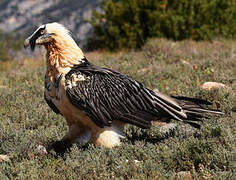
108 136
75 132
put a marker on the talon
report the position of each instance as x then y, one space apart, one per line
60 147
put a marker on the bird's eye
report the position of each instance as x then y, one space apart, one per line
43 31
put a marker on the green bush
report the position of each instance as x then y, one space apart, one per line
128 24
9 42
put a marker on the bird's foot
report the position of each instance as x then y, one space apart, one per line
60 147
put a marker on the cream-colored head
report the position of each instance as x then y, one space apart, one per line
57 40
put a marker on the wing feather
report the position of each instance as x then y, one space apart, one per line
107 95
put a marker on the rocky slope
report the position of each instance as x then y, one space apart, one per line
23 16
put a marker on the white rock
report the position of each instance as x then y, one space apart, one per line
212 85
4 157
42 149
143 70
185 175
156 90
184 62
135 161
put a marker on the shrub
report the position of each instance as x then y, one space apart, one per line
128 24
9 42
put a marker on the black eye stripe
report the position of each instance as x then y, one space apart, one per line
35 36
39 31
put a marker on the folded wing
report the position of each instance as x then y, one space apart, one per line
105 95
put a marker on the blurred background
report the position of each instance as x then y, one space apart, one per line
19 18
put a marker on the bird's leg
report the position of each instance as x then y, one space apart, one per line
60 147
108 136
63 145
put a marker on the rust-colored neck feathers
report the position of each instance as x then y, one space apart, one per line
62 53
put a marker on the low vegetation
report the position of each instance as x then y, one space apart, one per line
177 68
9 45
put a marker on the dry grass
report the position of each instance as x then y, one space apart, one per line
177 68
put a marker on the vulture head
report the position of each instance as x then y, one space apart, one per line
58 42
46 34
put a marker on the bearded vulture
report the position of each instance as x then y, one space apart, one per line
98 102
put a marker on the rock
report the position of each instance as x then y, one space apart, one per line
41 149
144 70
4 157
158 123
156 90
213 85
195 67
185 175
184 62
135 161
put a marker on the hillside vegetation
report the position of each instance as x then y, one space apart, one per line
10 45
129 24
177 68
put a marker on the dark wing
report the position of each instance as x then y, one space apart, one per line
51 105
105 95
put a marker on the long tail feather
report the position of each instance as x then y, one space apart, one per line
195 109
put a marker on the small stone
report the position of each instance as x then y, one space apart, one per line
158 123
4 157
143 70
41 149
184 62
186 175
213 85
136 161
156 90
195 67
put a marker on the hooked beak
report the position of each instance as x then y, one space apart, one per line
30 41
36 39
27 42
